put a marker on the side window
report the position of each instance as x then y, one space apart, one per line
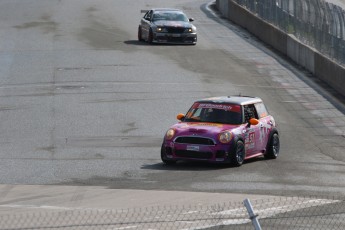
147 16
261 110
249 112
197 113
194 114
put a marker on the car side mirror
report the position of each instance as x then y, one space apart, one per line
180 116
253 121
191 19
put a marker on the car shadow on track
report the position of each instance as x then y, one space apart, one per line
197 166
139 43
136 42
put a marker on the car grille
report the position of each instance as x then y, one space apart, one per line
194 140
175 30
193 154
175 39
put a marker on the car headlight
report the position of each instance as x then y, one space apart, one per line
190 30
225 137
161 29
170 134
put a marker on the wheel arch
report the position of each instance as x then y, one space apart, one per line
272 132
234 140
269 152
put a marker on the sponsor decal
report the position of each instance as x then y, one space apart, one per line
204 124
190 124
264 130
227 107
264 114
215 106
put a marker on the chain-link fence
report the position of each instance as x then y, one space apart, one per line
282 213
316 23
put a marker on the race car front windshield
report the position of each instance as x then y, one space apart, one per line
215 113
169 16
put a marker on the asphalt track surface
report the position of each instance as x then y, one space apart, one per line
83 103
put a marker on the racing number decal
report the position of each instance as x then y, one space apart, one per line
250 141
251 137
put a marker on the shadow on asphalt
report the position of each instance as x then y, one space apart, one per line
136 42
197 166
139 43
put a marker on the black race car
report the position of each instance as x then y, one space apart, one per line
167 26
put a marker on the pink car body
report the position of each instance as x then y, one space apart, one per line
222 129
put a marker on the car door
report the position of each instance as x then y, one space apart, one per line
252 140
265 125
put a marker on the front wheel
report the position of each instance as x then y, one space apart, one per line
140 37
150 37
164 158
238 154
273 147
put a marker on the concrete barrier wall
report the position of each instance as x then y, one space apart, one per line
330 72
300 53
321 66
224 6
263 30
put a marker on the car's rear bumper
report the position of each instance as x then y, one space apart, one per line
175 38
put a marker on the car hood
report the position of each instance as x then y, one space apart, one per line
205 129
172 23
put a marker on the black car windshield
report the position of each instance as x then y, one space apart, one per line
169 16
215 113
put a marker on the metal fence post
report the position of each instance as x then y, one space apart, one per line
252 216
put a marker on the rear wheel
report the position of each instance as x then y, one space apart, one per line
164 157
238 154
273 147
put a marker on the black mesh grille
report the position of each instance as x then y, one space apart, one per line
220 154
193 154
194 140
171 39
176 30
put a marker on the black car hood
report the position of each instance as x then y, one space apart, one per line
173 23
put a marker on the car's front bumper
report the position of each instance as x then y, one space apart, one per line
190 152
175 38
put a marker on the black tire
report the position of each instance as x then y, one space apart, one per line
273 147
150 37
164 159
238 154
140 38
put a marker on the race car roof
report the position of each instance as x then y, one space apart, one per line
165 9
237 100
160 9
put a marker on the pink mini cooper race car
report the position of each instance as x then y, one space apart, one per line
228 129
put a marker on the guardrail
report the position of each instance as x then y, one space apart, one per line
310 32
317 23
280 213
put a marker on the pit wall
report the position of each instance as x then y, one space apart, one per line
322 67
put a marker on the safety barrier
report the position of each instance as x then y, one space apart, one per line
310 32
277 213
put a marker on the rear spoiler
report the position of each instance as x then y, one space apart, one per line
143 11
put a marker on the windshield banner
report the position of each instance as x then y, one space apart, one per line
227 107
